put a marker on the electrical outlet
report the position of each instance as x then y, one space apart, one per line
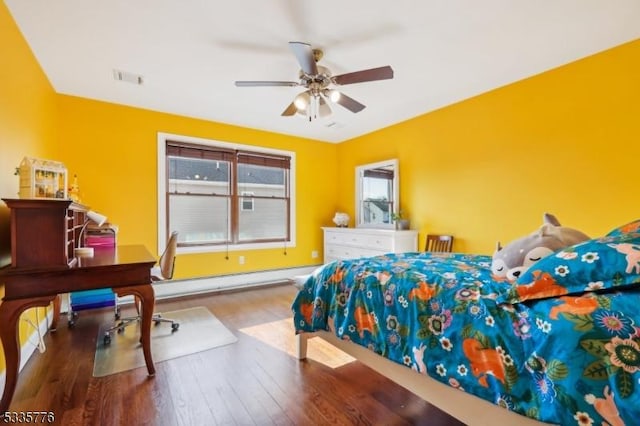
314 254
241 260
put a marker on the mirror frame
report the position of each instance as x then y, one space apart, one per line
396 192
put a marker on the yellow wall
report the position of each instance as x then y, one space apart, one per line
27 105
27 126
566 142
112 149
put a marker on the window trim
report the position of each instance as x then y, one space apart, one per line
161 194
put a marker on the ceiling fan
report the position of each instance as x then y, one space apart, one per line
318 81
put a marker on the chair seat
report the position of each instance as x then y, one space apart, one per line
156 274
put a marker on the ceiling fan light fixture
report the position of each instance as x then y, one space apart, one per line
301 101
333 95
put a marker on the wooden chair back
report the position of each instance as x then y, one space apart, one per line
439 243
168 258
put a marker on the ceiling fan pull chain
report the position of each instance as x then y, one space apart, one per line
315 107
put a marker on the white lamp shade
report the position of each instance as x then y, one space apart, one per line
301 101
96 217
333 95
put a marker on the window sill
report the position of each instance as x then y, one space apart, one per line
236 247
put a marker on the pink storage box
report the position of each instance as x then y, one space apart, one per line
100 241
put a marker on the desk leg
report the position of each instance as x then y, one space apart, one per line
57 304
147 300
10 311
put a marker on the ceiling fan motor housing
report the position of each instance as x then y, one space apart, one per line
322 79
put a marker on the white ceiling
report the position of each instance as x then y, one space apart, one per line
190 52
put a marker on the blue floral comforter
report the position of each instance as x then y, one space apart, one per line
567 360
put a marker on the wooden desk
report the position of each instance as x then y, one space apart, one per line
126 269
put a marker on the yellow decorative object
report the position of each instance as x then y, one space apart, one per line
42 178
74 191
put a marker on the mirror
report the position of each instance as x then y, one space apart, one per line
377 195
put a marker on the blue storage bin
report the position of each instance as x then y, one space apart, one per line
91 299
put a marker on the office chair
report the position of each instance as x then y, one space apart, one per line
163 271
439 243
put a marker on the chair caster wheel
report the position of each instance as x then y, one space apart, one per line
175 326
74 315
71 323
120 329
106 340
157 319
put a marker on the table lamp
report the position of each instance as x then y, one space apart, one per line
95 217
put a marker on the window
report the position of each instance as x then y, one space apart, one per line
377 195
224 196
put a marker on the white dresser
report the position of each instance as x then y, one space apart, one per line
345 243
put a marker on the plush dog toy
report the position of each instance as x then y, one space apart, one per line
515 258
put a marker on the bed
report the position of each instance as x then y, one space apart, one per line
561 345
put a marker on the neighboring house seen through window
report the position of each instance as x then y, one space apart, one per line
247 201
222 196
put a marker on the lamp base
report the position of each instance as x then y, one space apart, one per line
84 251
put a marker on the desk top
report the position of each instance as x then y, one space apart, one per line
120 255
119 266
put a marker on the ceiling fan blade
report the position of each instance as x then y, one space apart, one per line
373 74
266 83
349 103
290 110
304 54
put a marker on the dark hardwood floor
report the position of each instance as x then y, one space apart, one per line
246 383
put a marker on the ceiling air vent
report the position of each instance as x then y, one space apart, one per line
127 77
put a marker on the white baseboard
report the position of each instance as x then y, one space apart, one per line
177 288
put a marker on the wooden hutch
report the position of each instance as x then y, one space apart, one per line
44 232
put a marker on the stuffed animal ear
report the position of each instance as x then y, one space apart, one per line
546 230
550 219
498 246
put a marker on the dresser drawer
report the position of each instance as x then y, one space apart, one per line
336 238
378 242
353 243
346 252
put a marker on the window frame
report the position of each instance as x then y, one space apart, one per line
162 194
